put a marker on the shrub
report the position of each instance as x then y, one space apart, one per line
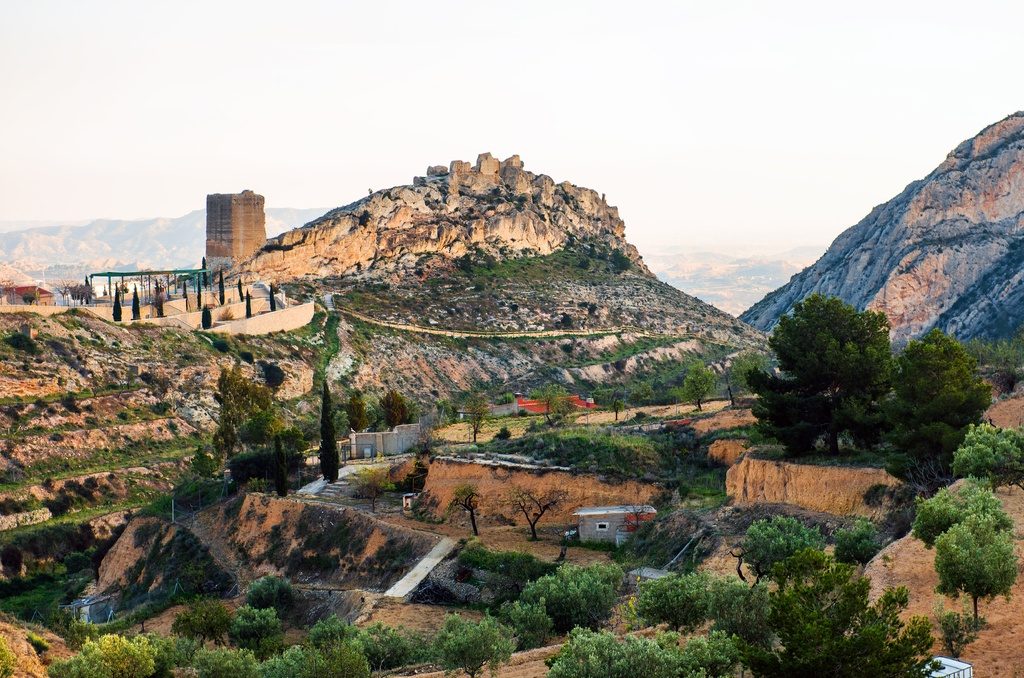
225 663
529 621
470 646
947 508
576 596
771 541
859 544
271 591
259 464
111 656
715 656
679 600
38 643
330 630
21 342
8 661
957 629
503 433
341 660
258 630
389 648
741 610
599 654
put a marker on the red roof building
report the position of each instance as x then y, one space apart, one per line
38 295
538 407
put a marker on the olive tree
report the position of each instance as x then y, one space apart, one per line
470 646
770 541
976 557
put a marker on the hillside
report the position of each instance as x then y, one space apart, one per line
947 252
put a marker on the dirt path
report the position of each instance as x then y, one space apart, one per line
505 335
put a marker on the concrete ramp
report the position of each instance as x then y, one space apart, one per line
407 584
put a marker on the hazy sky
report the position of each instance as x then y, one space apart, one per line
708 123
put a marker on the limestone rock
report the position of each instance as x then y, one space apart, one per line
947 252
494 207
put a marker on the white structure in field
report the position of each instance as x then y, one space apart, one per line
952 668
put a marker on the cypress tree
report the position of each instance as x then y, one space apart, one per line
273 302
136 311
206 281
241 295
248 305
328 438
220 286
280 469
207 319
117 305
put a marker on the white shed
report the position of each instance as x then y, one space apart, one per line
952 668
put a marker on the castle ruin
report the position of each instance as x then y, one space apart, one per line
235 227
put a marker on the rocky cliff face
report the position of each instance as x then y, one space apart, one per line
494 207
947 252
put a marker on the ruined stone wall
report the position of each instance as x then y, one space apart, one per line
235 227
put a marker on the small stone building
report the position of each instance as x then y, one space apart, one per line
396 441
611 523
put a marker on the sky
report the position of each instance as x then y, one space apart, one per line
732 126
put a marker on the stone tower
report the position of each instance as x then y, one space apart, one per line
235 227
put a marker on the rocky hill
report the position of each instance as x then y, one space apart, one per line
947 252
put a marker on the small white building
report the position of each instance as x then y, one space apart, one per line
611 523
952 668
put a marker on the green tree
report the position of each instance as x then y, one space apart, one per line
136 310
205 620
470 646
8 660
948 507
388 648
991 453
330 630
241 294
740 610
117 306
555 399
240 399
957 629
248 305
467 498
329 461
534 504
641 393
207 318
576 596
226 663
220 288
273 299
740 368
770 541
680 600
617 406
599 654
836 367
936 396
280 469
203 463
258 630
826 625
529 621
476 409
271 592
698 384
715 656
857 544
395 408
358 418
372 483
338 660
976 557
111 656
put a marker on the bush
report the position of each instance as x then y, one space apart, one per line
225 663
111 656
741 610
329 631
389 648
715 656
470 646
529 621
258 630
8 661
341 660
515 568
947 508
38 643
859 544
260 464
957 629
271 591
679 600
21 342
576 596
771 541
503 433
599 654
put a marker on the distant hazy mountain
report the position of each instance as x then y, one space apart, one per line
71 249
728 281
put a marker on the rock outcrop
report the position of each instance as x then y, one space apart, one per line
947 252
838 490
493 207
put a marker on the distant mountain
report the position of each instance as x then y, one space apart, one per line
72 249
728 281
947 252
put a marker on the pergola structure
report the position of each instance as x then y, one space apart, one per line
180 276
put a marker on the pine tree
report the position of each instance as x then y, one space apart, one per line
248 305
117 306
273 302
280 469
220 288
328 438
136 311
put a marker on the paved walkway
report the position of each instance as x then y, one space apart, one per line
329 301
407 584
